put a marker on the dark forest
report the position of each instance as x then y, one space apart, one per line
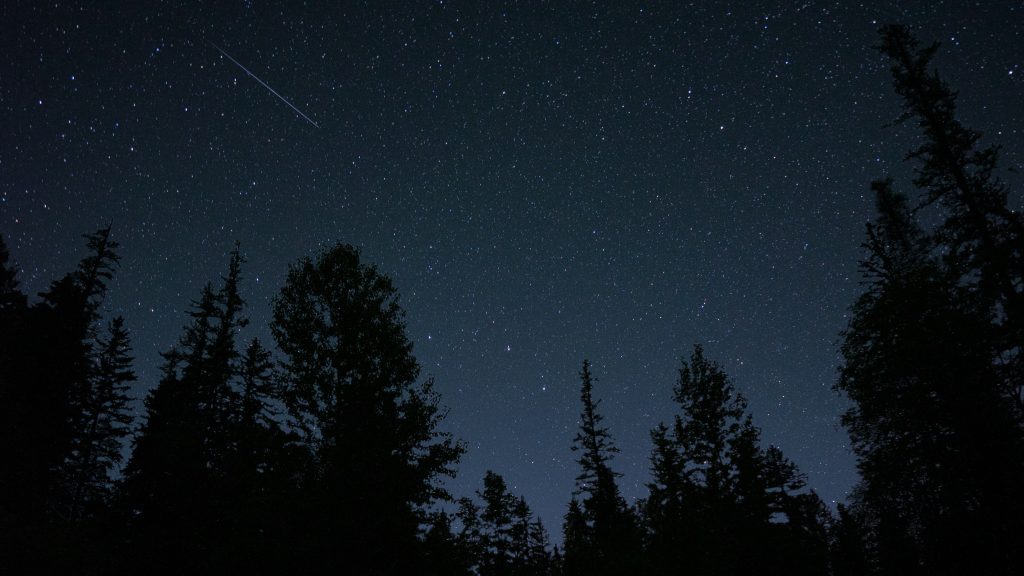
323 452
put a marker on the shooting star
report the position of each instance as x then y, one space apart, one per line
265 85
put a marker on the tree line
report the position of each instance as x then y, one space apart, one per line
323 452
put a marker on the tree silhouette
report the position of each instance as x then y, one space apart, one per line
575 541
931 354
607 542
982 238
47 368
350 385
105 422
11 297
849 555
502 536
179 486
716 491
56 401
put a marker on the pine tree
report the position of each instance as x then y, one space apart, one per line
444 553
715 490
180 488
503 537
697 449
666 517
983 238
350 385
575 541
96 270
49 356
258 386
497 518
11 297
594 443
470 538
611 536
931 354
539 562
105 423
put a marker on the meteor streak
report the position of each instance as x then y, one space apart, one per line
265 85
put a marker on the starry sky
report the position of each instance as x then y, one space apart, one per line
544 181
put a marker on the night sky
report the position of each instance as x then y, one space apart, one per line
545 182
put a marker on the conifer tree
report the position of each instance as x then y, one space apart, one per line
931 354
497 517
49 360
715 490
503 535
697 449
610 537
105 422
350 385
11 297
470 538
982 237
539 562
444 553
575 541
180 485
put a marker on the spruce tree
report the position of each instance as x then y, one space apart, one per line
503 537
931 354
49 359
981 236
610 536
539 562
849 555
575 541
180 485
444 553
351 388
11 297
105 423
716 491
497 517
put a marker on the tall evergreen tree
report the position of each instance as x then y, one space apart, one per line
497 518
48 368
179 487
539 562
351 389
48 360
697 449
609 542
575 541
982 238
716 491
263 466
11 297
931 351
105 422
445 553
504 536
